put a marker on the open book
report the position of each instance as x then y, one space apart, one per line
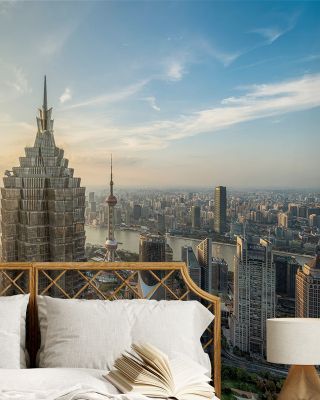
148 371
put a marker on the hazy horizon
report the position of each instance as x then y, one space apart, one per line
202 188
184 94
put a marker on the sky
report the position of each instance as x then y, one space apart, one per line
182 93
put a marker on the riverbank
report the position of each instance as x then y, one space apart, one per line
129 240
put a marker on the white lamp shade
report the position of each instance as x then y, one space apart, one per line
294 341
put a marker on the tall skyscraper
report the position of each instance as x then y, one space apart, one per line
111 243
308 289
286 269
293 210
283 220
204 255
91 197
195 216
117 216
188 256
136 212
161 223
152 248
43 204
220 209
254 294
219 275
169 253
314 221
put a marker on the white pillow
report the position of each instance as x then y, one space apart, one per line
93 333
13 331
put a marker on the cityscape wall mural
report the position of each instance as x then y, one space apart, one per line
169 131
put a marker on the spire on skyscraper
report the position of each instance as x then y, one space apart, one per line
44 121
111 178
45 103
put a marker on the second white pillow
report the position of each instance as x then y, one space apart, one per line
94 333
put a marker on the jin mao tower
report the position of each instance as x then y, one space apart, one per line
43 203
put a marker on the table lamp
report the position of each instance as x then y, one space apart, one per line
296 341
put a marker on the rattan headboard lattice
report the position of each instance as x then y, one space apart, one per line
92 280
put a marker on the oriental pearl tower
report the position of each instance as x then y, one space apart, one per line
111 243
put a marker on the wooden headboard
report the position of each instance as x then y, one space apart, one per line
109 281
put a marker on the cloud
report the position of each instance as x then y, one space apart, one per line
272 100
257 101
267 100
270 34
224 57
13 82
151 100
19 81
175 70
66 96
53 42
309 58
112 97
260 101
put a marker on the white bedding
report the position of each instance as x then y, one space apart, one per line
59 384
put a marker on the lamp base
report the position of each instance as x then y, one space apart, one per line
302 383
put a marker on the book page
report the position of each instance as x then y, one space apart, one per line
150 372
190 379
158 360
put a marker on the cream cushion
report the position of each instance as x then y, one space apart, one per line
93 333
13 331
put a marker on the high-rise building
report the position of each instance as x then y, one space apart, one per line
293 210
286 269
91 197
195 216
204 256
220 209
302 211
102 214
136 212
188 256
283 220
308 289
128 216
169 253
145 212
117 216
152 248
43 204
314 221
219 275
93 206
313 210
161 223
111 243
254 294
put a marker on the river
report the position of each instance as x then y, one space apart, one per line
130 241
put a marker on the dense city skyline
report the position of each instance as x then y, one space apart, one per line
169 131
182 95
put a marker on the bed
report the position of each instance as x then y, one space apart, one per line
106 281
